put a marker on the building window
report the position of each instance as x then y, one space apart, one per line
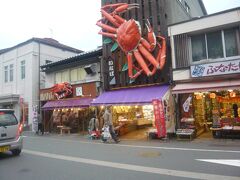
23 69
65 76
231 42
214 45
11 73
81 74
58 77
198 48
73 75
5 74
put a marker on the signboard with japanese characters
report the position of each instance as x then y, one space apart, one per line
159 118
219 68
79 91
111 74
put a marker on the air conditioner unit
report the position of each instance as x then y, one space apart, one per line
90 69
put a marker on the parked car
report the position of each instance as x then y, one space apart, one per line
10 132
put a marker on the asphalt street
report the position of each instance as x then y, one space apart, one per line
56 157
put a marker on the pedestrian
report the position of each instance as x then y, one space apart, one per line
107 116
235 110
40 125
93 124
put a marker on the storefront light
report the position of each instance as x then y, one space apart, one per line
102 107
230 90
212 95
199 96
136 106
148 107
232 94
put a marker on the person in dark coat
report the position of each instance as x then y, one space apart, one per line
40 125
107 116
235 110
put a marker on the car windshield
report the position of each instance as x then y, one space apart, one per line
7 119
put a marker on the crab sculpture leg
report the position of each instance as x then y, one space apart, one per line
144 47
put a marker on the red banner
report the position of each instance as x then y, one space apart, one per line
159 118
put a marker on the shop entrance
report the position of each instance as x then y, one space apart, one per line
70 120
133 122
211 114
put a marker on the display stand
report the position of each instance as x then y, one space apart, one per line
185 134
187 130
227 126
64 129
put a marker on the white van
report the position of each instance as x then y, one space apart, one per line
10 132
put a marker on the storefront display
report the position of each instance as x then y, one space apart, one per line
131 118
217 111
133 112
74 120
64 107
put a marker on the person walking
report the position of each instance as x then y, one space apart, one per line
93 124
107 116
40 125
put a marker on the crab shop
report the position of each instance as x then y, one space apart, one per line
67 111
139 113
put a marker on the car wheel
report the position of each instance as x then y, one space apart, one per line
16 152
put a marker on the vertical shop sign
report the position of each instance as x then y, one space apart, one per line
159 118
186 104
35 118
111 74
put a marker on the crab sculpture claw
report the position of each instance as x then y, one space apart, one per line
151 36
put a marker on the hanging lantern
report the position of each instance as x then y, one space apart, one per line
212 95
199 96
232 94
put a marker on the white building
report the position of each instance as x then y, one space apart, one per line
20 78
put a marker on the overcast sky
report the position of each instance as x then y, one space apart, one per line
71 22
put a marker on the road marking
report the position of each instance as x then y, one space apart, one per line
146 147
229 162
168 172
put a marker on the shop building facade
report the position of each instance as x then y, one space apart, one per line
20 77
206 72
137 102
71 85
160 14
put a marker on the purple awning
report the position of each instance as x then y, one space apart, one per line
68 103
133 96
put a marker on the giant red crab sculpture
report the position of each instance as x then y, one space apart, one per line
127 33
62 90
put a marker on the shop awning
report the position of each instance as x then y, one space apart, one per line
68 103
205 86
131 96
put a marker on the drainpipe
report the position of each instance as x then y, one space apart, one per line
39 79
